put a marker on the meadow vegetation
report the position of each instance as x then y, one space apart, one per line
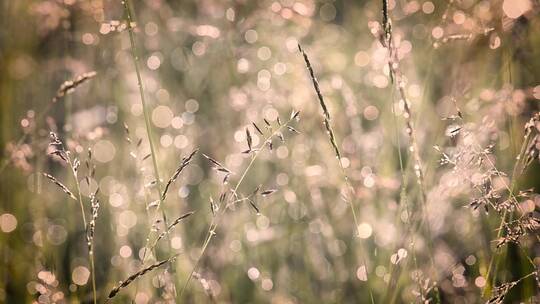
274 151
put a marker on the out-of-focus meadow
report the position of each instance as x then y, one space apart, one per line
429 104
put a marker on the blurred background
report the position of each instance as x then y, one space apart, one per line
210 70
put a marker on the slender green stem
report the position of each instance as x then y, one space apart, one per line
92 265
355 219
510 190
148 125
83 214
403 201
396 77
146 111
333 142
77 186
147 243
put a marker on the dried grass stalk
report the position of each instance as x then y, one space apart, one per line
252 203
249 140
327 125
133 277
257 128
333 142
220 168
92 225
184 163
268 192
315 83
70 85
171 226
59 184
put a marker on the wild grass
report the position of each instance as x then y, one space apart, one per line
397 79
349 198
58 150
231 196
133 277
169 127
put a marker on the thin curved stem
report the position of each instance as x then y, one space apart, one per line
83 214
333 143
148 125
510 190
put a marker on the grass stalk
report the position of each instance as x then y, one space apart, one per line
510 188
83 214
332 138
403 202
214 224
396 77
147 122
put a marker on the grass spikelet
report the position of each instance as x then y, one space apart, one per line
58 147
60 185
92 224
133 277
333 142
267 123
257 128
268 192
295 115
70 85
387 23
74 165
249 140
147 156
315 83
152 204
90 239
213 206
293 130
171 226
217 166
327 125
252 204
500 292
257 189
183 164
